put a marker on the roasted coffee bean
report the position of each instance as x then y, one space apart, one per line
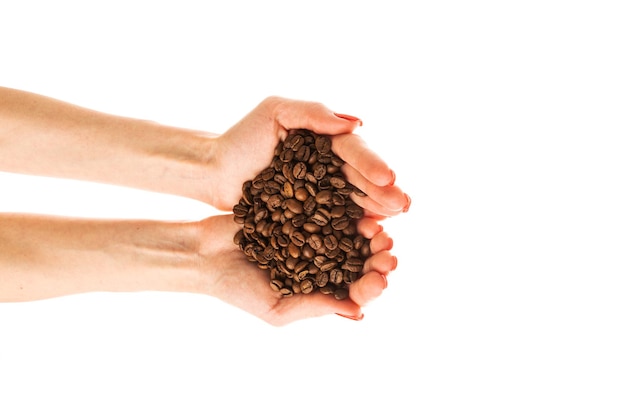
324 184
321 278
327 290
274 202
354 211
324 197
323 144
239 237
340 223
307 252
294 205
330 242
353 264
287 291
341 293
338 182
276 285
309 205
311 187
335 276
298 220
329 265
319 218
303 154
319 171
337 212
240 210
299 170
287 190
338 200
294 250
306 286
298 238
301 194
315 241
345 244
260 215
301 266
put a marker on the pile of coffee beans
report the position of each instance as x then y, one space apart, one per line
299 222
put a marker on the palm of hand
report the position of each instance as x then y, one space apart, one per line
241 283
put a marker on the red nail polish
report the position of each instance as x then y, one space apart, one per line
408 203
385 279
350 118
354 318
393 178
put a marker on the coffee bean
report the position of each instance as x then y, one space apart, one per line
276 285
306 286
240 210
340 223
354 211
311 228
315 241
287 190
294 205
341 293
323 144
298 220
319 218
298 238
324 197
319 171
353 264
299 170
330 242
302 194
338 182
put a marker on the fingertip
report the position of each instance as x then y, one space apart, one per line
370 286
349 118
358 317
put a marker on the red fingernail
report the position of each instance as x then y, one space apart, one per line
350 118
393 178
354 318
408 203
385 280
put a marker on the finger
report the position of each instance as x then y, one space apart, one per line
381 242
367 288
383 262
368 227
298 114
374 209
314 305
388 200
355 152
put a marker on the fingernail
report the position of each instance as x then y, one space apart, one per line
350 118
385 280
393 178
354 318
408 203
395 263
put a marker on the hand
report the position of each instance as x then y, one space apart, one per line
248 147
235 280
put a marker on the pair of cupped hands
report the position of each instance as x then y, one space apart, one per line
246 149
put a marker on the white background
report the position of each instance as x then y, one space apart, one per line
504 122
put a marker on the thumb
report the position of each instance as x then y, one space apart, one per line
316 117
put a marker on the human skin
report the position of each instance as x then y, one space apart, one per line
42 257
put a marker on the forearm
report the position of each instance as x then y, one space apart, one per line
44 136
43 257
